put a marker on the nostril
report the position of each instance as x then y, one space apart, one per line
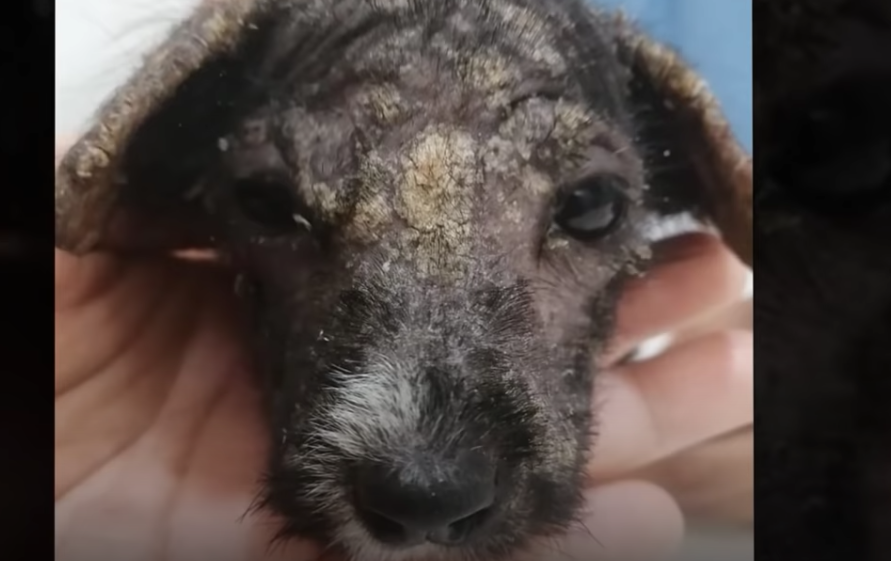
391 531
459 530
443 503
388 530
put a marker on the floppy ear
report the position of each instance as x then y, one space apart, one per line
124 184
694 160
133 181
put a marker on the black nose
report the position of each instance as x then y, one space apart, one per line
425 500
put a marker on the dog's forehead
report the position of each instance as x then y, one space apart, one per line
421 130
432 189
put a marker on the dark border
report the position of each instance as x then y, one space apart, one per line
26 263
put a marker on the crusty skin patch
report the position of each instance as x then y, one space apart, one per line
373 211
439 176
415 296
384 102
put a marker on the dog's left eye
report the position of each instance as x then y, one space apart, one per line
592 208
269 202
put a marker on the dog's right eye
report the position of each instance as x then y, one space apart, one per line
270 202
592 208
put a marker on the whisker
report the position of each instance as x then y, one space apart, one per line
591 534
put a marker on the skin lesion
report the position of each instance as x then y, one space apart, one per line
438 180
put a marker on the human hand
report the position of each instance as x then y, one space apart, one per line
713 481
159 438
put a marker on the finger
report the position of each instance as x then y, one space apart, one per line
624 521
651 409
694 274
80 279
739 315
711 481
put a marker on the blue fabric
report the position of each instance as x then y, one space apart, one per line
715 37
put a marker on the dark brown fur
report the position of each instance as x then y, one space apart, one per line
427 304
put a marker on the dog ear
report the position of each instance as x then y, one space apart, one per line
124 185
133 181
694 161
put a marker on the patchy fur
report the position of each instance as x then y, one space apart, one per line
416 300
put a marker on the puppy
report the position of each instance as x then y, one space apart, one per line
434 206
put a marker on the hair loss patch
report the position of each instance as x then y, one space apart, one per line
439 178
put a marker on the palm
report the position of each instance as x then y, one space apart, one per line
158 439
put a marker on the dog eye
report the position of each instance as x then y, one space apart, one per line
592 208
270 203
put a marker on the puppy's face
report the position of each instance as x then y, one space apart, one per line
433 254
433 208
